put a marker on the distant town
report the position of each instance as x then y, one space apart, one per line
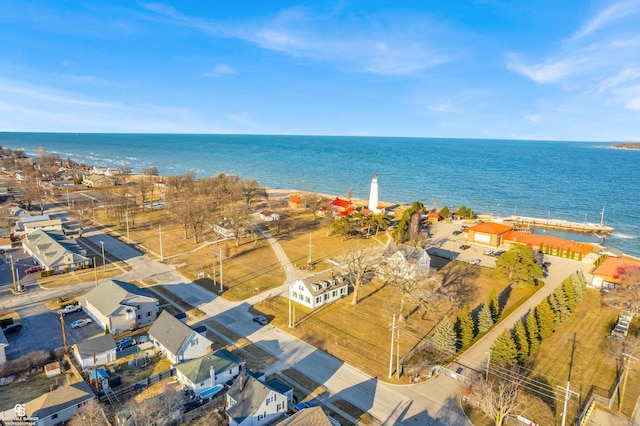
135 298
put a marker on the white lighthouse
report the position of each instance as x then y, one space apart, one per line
373 195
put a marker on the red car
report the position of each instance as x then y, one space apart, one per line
33 269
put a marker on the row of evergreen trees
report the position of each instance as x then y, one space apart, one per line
450 337
515 346
560 252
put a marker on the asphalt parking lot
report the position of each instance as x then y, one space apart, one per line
41 331
443 239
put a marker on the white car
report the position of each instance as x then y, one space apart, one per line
69 309
81 323
474 261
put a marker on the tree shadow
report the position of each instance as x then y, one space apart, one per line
547 397
503 297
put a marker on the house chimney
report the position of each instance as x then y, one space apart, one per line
241 385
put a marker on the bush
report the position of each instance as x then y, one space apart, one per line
26 363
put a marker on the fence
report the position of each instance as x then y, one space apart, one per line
137 387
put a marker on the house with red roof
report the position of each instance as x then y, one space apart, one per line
489 234
611 272
296 203
342 207
556 246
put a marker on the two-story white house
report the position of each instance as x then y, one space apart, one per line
252 402
118 305
406 261
203 373
177 340
319 289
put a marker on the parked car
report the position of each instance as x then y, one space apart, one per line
69 308
465 247
81 323
261 319
499 253
33 269
488 252
456 232
474 261
125 342
12 328
143 339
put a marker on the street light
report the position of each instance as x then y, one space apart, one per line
104 265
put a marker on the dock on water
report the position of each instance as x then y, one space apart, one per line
531 222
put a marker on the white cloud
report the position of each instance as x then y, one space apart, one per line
534 118
446 106
220 70
607 17
549 71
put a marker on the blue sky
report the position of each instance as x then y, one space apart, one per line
548 69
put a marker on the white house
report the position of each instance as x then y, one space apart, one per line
407 261
117 306
52 408
269 216
177 340
95 351
203 373
319 289
251 402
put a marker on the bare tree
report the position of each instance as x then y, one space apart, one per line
150 171
238 216
145 186
89 414
497 398
81 210
359 264
252 190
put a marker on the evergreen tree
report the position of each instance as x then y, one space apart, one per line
462 211
485 320
445 337
504 351
567 288
494 304
541 248
563 306
532 333
579 286
445 213
464 327
521 341
545 319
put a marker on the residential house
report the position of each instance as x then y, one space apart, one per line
117 306
201 374
488 234
54 225
177 340
98 181
296 203
95 351
319 289
251 402
611 272
342 207
312 416
407 261
54 251
3 344
269 216
52 408
556 246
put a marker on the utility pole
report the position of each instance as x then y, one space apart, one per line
488 362
104 265
221 285
13 275
95 271
309 260
623 388
290 291
393 333
126 217
93 211
64 335
398 355
161 254
567 395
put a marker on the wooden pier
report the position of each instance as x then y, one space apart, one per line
534 222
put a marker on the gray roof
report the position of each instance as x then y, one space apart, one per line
58 400
323 282
248 399
199 369
279 386
50 247
97 345
111 295
170 332
411 254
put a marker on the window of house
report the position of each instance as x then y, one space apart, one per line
148 314
201 384
230 371
194 342
318 299
268 401
55 416
306 299
278 407
138 316
294 295
333 293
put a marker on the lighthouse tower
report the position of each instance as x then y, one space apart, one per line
373 195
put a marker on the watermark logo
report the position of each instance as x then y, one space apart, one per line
20 410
